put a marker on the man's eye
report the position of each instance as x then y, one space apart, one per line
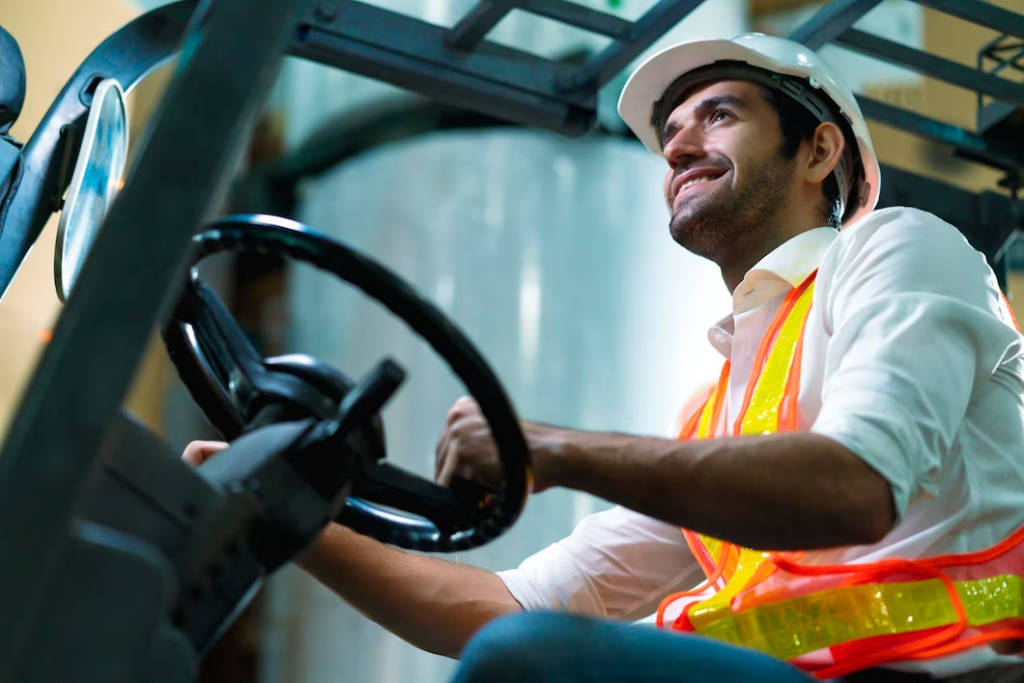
719 115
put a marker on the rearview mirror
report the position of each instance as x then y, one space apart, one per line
98 176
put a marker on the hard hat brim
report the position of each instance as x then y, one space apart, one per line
650 81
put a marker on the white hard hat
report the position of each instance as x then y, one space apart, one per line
648 84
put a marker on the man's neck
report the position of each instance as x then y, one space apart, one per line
736 264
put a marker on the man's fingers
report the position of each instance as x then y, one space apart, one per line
441 453
463 407
460 446
444 477
198 452
456 424
454 414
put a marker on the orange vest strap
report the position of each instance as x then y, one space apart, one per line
862 615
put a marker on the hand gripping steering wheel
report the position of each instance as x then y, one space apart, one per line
240 392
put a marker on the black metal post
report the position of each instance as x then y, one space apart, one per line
477 23
1000 155
653 25
930 65
484 16
1002 270
982 13
228 64
580 16
831 21
506 83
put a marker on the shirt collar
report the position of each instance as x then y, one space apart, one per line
787 266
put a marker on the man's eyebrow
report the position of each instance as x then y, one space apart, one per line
710 104
701 110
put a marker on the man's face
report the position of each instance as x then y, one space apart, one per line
728 184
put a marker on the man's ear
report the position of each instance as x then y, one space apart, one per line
826 148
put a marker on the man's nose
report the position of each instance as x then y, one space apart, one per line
685 145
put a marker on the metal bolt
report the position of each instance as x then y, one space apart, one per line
327 11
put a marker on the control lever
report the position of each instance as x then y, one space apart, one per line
366 399
346 434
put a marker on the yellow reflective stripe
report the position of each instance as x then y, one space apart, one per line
714 607
714 547
795 627
704 428
762 416
989 600
704 425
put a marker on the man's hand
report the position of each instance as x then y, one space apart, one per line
467 451
435 605
198 452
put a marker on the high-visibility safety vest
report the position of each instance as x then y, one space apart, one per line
832 620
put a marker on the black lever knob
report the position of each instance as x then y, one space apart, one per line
368 397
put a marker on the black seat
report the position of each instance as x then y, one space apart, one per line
12 81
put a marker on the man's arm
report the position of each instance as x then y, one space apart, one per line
435 605
780 492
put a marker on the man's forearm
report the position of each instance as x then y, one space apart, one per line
782 492
433 604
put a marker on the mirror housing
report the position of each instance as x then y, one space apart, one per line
98 177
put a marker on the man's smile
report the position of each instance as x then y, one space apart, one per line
696 180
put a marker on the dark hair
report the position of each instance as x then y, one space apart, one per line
798 125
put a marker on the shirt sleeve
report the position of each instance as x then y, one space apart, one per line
916 321
617 563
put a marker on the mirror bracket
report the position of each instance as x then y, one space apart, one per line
68 150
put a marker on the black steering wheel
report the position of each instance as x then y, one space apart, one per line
240 392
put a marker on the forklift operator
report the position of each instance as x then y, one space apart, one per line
849 496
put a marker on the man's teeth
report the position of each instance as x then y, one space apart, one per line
690 183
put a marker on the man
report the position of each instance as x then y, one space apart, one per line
870 409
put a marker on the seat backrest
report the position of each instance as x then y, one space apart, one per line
12 81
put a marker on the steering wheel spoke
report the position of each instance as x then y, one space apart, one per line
385 484
208 347
238 362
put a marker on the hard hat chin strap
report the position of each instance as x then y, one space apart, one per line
849 171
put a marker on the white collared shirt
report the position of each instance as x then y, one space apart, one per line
910 361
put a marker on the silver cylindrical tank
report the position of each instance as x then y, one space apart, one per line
554 256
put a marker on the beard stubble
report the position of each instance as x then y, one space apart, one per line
726 219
